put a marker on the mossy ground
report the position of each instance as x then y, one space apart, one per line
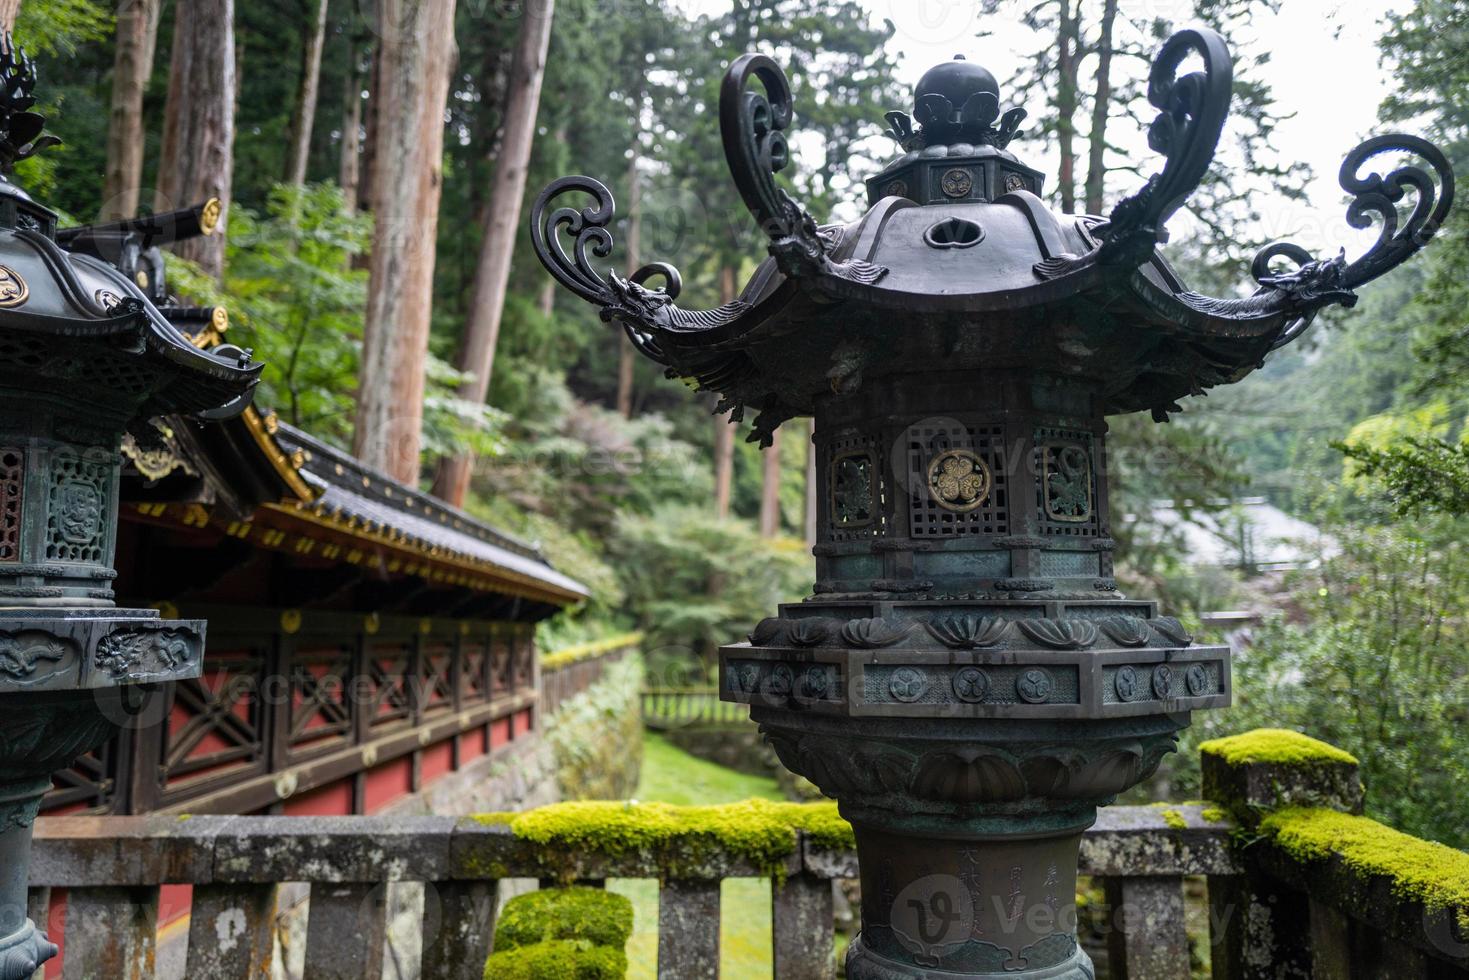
1277 745
1420 870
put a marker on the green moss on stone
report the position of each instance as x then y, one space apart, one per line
600 917
1215 814
566 656
558 959
684 838
1277 745
1420 870
1175 820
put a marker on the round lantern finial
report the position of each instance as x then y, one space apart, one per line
955 102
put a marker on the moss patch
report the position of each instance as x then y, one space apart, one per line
1175 820
683 837
1215 814
566 656
600 917
558 959
1420 870
1277 745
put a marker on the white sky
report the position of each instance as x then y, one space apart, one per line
1323 67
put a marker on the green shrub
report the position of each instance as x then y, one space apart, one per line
599 917
558 959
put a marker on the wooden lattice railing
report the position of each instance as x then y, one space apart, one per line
569 671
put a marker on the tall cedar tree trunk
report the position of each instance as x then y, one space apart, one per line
1096 170
770 488
304 117
9 10
197 155
368 160
350 168
137 34
625 353
724 430
1067 56
502 230
416 49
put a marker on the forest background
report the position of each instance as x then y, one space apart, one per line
376 159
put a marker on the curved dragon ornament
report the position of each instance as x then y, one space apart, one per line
1191 113
1317 283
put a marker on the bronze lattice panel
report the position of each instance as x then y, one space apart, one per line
855 489
927 515
1066 485
12 497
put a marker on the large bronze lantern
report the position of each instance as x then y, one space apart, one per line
85 356
966 680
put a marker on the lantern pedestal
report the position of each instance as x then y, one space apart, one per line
967 829
69 678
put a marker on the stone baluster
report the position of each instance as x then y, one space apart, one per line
1260 928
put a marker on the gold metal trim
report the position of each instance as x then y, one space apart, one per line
13 289
209 215
958 480
261 429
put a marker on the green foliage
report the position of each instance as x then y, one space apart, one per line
693 581
596 737
51 27
1376 664
595 915
557 959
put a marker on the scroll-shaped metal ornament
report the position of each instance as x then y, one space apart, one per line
1191 113
753 127
1317 283
643 312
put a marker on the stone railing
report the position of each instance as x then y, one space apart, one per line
677 707
569 671
1292 891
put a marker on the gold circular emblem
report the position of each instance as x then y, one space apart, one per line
142 278
958 480
13 289
956 183
220 319
209 216
290 620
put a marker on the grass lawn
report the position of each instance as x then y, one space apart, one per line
671 775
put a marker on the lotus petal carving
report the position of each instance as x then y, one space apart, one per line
1171 630
979 774
873 633
1059 634
808 632
968 632
768 632
1128 631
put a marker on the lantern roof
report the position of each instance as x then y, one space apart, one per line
72 315
959 264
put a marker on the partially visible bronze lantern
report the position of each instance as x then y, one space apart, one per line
965 679
85 356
